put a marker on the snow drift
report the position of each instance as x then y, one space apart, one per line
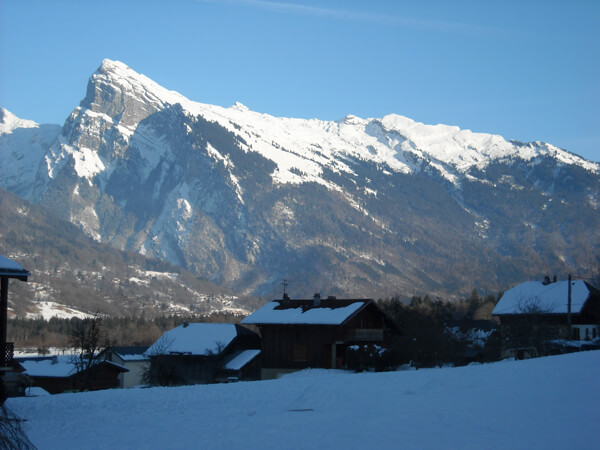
542 403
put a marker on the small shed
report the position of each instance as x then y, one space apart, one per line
242 365
297 334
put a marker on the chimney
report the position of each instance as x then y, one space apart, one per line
317 299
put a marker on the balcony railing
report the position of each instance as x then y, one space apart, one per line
8 352
365 334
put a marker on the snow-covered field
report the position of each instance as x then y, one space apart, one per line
549 403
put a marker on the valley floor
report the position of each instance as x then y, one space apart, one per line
549 403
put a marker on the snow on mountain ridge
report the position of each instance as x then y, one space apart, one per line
10 122
23 144
302 148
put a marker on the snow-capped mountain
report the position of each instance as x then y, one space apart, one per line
354 207
23 143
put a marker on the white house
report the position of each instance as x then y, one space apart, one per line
133 358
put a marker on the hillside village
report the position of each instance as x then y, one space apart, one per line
535 318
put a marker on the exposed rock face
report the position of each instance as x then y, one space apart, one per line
355 207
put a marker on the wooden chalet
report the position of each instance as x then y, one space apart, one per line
195 353
297 334
572 311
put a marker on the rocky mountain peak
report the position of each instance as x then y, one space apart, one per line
124 95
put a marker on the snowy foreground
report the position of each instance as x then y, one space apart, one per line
550 403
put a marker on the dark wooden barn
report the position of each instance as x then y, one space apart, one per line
297 334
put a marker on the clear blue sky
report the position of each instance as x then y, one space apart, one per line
527 70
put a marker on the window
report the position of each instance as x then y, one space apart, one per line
300 352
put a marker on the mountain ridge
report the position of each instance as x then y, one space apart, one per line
353 207
74 276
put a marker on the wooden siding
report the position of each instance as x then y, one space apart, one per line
101 376
298 346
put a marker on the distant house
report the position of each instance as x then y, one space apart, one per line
297 334
58 374
550 302
133 358
195 353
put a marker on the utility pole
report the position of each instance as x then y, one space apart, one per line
569 322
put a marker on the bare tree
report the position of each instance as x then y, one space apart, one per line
87 338
527 328
219 347
596 275
12 435
159 372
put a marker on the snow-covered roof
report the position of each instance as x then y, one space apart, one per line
131 353
549 298
138 357
34 391
57 366
11 268
194 339
305 312
241 359
114 365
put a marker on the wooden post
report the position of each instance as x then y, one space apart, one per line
569 322
3 316
333 356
